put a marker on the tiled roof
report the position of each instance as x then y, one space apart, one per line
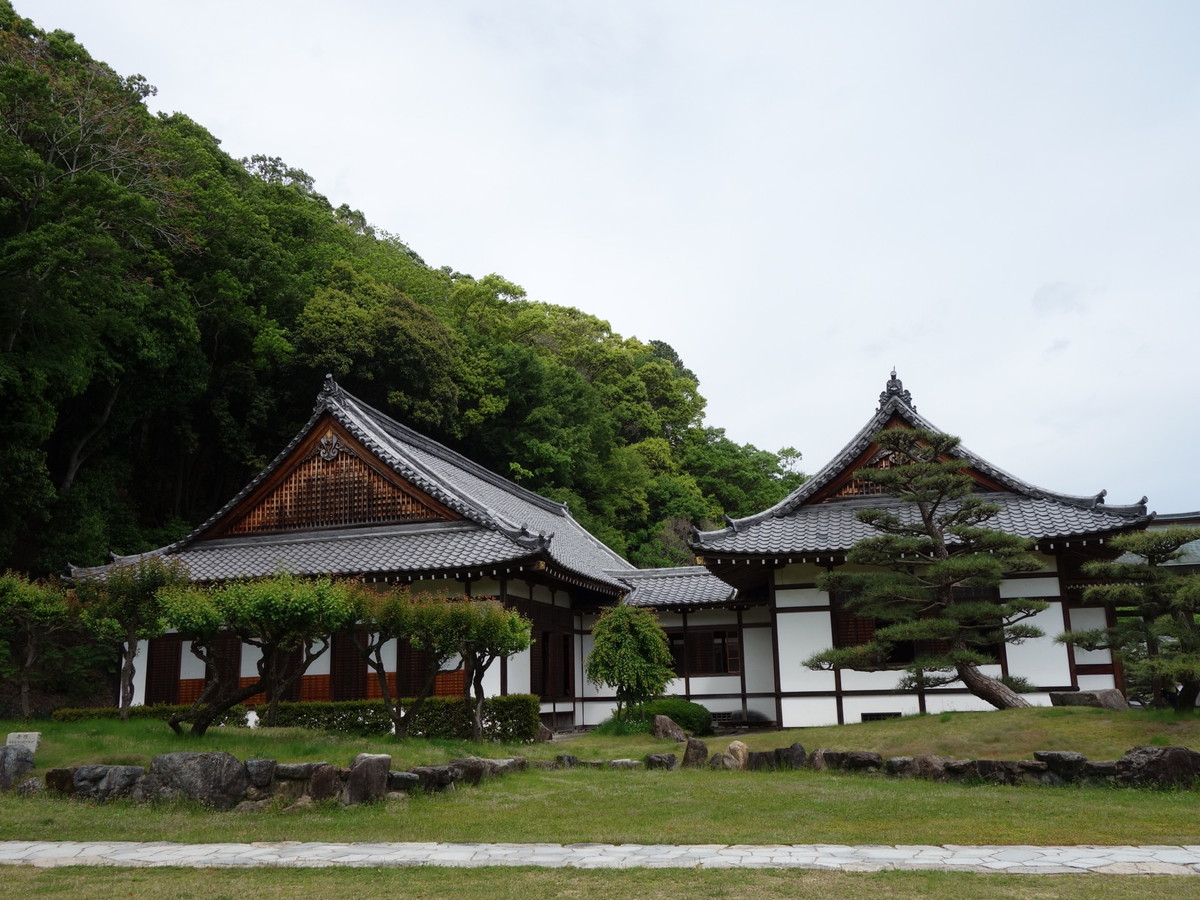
504 522
796 525
834 526
406 548
686 586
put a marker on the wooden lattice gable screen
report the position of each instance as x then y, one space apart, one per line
331 481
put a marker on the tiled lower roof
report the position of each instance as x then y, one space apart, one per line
687 586
834 526
406 548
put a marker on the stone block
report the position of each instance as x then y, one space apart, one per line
1066 764
16 762
695 755
666 729
260 772
739 753
792 757
668 761
325 783
1110 698
367 780
1159 767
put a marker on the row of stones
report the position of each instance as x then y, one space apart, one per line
220 780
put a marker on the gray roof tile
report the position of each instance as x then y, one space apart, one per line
685 586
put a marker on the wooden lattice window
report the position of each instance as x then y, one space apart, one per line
864 487
332 486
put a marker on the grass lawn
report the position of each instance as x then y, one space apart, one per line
697 806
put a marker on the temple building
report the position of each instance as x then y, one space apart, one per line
357 494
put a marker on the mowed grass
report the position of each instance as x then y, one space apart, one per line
693 806
77 883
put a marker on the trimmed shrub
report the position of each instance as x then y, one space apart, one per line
512 719
691 717
235 716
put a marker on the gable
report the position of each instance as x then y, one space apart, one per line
849 484
330 480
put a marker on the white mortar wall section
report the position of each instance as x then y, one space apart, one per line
716 684
189 665
139 674
250 657
939 703
854 707
320 665
793 597
1013 588
711 618
805 711
801 634
763 705
1040 660
758 661
1086 620
485 587
1096 682
518 665
441 587
886 680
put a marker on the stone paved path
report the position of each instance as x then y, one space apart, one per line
1155 860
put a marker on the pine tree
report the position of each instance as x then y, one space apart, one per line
932 594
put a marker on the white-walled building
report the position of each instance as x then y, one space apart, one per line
357 494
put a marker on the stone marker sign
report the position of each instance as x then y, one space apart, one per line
29 739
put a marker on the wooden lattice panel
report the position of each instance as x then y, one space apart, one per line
863 487
329 488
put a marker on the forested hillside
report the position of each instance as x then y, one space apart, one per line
167 314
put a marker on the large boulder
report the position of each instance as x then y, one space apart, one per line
61 781
260 772
668 761
106 782
666 729
1066 764
1162 767
695 755
792 757
1104 699
762 761
544 734
929 767
861 761
16 762
216 779
368 778
437 778
739 753
325 783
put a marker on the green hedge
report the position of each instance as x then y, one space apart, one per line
513 719
235 716
691 717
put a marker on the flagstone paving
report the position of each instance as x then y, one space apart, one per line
1107 860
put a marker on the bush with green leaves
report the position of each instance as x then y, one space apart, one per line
691 717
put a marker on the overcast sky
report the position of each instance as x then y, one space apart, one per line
1000 199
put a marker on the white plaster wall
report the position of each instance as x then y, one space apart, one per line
139 673
583 687
250 657
758 661
1040 660
518 673
756 615
485 587
803 711
764 705
189 665
1028 587
802 634
792 597
541 593
854 707
491 680
1083 620
797 573
711 618
886 680
320 665
717 684
1096 682
669 619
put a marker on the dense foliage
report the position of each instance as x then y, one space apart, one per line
932 574
1156 634
167 313
631 655
693 718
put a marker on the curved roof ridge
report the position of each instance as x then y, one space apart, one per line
400 431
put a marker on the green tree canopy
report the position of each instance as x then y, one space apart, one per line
288 619
1157 634
630 654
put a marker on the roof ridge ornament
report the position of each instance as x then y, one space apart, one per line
330 390
895 388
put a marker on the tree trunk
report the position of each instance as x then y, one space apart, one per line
994 692
128 652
